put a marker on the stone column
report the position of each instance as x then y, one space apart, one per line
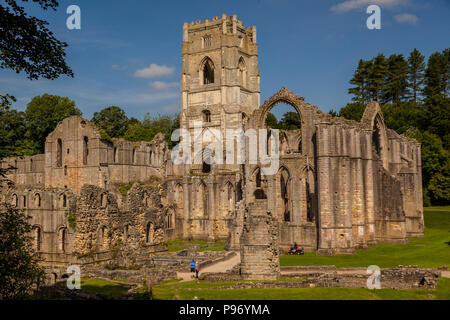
369 189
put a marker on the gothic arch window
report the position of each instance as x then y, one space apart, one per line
242 72
63 200
283 195
85 150
24 199
207 41
169 223
258 185
150 158
207 71
37 200
116 155
31 165
65 170
133 156
206 116
202 200
59 153
62 235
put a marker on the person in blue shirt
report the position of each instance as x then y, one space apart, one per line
192 266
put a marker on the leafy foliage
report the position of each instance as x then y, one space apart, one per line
27 45
19 269
42 116
112 120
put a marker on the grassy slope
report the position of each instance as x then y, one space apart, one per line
431 251
106 288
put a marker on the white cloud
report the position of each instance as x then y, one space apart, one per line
153 71
350 5
407 18
161 85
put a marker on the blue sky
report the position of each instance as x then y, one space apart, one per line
311 47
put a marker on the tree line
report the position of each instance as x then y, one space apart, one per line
414 98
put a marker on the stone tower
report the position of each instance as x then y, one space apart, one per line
220 82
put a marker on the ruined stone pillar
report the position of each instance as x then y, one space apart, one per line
358 219
325 201
259 244
369 189
186 210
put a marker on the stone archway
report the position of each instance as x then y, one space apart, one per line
282 96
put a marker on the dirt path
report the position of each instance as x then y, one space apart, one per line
222 266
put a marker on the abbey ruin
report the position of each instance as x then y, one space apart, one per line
340 184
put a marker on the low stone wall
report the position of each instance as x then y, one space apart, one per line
155 275
400 278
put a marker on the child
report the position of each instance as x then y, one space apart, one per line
197 269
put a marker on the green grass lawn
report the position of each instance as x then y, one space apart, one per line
189 290
429 252
110 289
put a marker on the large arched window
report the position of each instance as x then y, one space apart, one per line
207 71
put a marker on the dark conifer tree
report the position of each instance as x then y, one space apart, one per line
416 74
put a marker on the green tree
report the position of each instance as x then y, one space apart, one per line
400 117
360 82
26 45
396 79
43 114
437 100
151 125
112 120
290 121
377 77
416 74
271 121
19 268
12 129
353 111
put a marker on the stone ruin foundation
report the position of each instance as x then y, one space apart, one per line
259 244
